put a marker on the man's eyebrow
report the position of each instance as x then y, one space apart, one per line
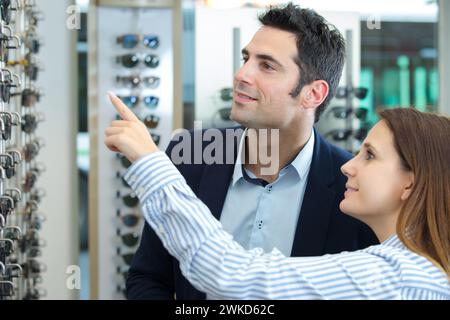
262 57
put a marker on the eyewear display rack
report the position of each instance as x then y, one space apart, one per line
134 51
20 219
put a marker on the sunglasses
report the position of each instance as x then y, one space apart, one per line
30 97
345 134
344 112
133 101
135 81
344 92
130 200
130 239
30 122
124 161
226 94
130 220
156 138
128 258
130 41
124 182
151 121
132 60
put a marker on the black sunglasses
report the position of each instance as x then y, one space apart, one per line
124 161
345 134
132 60
130 239
130 200
358 92
128 258
344 112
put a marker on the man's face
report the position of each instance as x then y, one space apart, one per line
263 84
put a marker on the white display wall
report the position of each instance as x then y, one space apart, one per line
110 20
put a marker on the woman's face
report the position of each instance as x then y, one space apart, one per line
377 184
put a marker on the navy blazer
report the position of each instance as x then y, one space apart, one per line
322 228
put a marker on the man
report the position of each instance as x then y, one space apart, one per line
291 70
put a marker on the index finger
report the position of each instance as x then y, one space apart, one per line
124 112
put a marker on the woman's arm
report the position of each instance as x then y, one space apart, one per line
214 263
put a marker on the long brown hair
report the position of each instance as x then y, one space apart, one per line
422 141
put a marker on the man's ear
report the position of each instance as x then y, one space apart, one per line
409 184
313 94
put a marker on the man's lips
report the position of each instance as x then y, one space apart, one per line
242 97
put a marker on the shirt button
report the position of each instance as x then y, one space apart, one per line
132 178
141 191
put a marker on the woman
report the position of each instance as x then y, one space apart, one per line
398 184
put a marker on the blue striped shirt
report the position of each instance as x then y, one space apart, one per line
219 266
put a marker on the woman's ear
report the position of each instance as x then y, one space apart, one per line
409 184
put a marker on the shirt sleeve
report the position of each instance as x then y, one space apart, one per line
214 263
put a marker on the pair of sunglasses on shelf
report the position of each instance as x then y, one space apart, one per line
131 60
134 81
357 92
344 112
132 101
131 41
340 135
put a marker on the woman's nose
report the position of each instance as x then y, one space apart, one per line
348 168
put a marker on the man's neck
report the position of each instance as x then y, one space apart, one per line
287 144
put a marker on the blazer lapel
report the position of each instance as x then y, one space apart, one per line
216 179
312 227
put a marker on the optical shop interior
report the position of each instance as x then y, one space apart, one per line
71 225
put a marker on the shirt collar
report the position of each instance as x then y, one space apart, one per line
393 241
301 163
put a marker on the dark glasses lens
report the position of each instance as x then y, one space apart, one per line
361 134
341 92
29 123
341 112
130 200
128 41
151 42
29 98
226 94
130 220
124 161
151 121
151 101
151 61
130 239
156 138
130 101
124 182
361 113
360 93
128 60
128 258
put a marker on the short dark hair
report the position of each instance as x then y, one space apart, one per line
320 46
